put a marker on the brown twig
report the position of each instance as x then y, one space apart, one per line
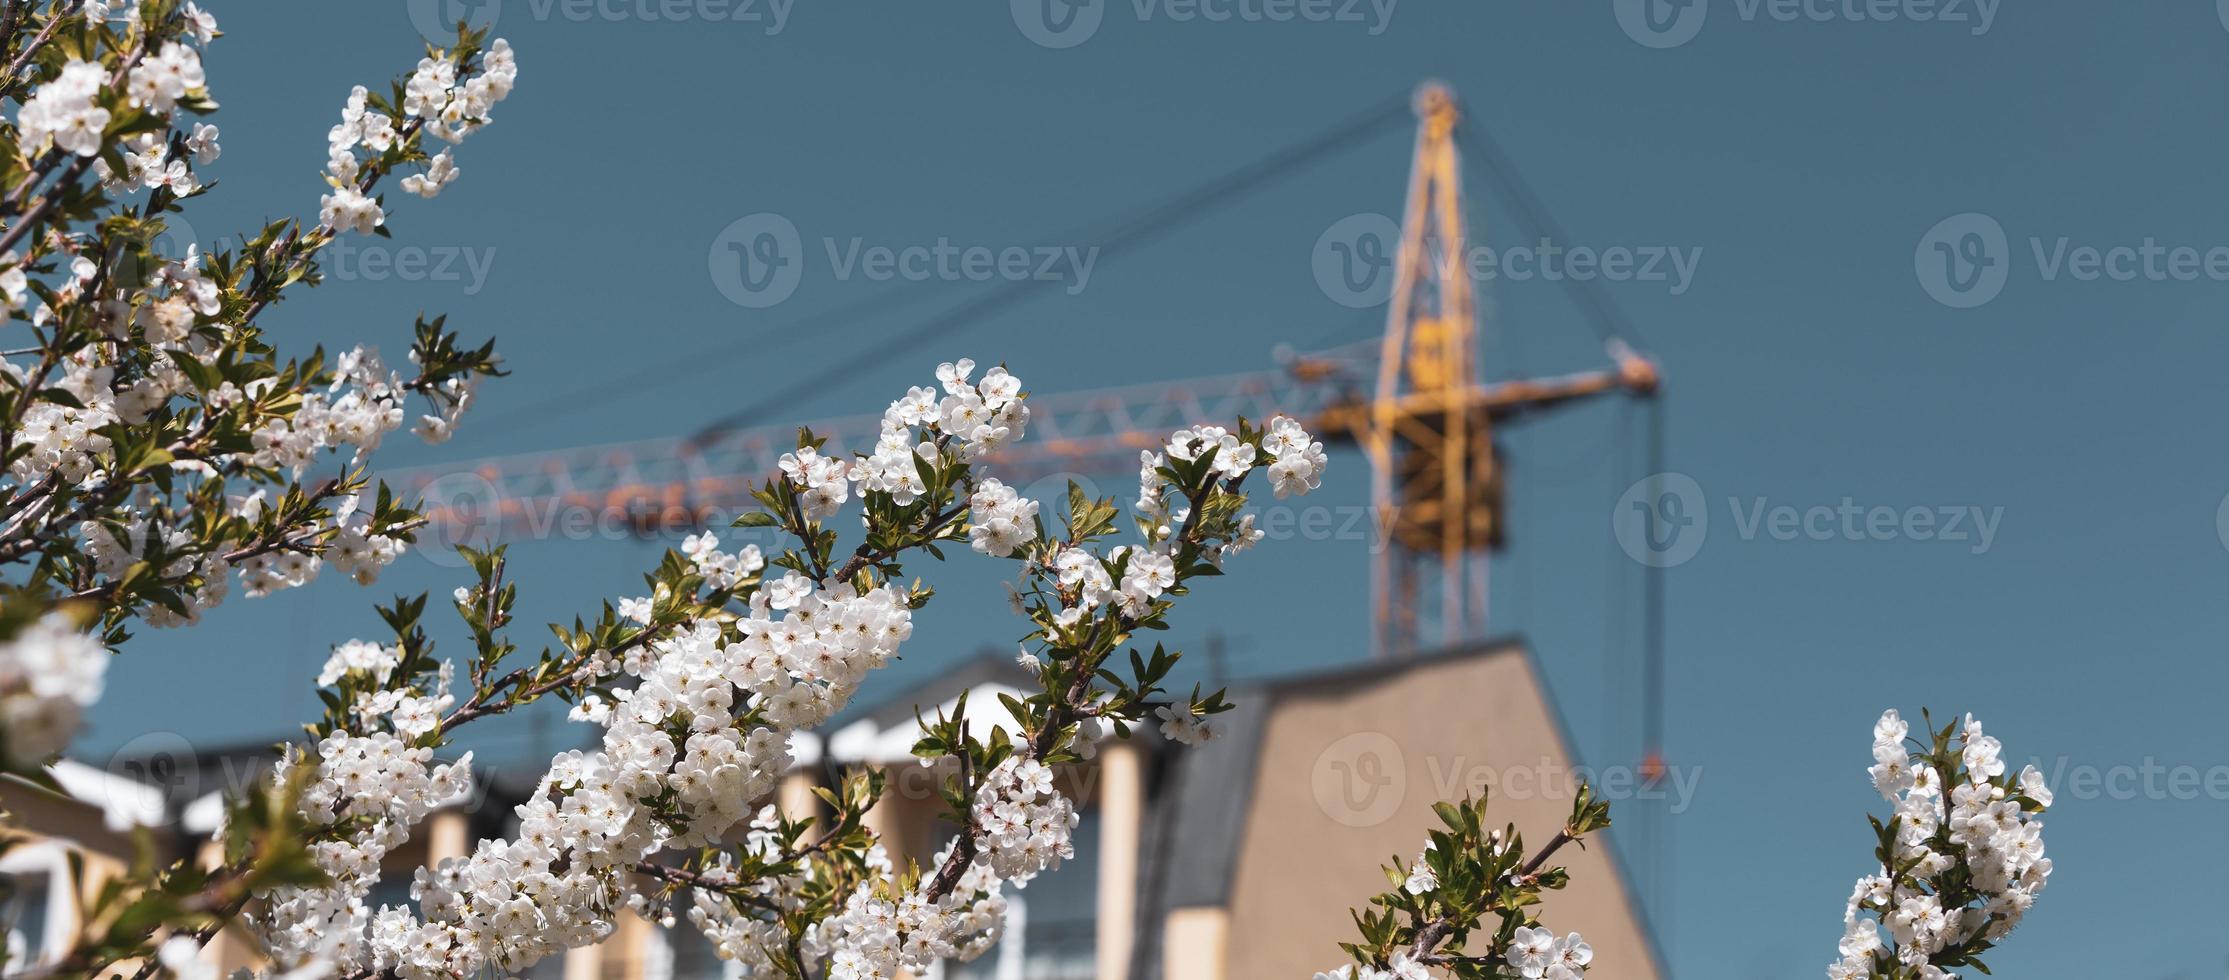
1068 711
866 555
1435 932
23 58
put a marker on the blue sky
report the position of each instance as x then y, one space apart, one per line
1810 165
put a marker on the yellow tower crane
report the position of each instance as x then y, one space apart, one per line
1429 431
1428 427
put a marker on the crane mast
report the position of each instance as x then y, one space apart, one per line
1436 474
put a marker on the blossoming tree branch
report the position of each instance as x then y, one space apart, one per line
158 446
1955 873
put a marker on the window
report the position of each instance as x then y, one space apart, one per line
24 915
37 908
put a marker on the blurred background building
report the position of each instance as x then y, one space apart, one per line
1232 860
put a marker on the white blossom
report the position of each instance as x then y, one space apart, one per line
161 79
1180 725
1981 829
1297 462
999 520
65 110
50 672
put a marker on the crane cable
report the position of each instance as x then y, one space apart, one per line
1146 225
1609 323
1615 331
1659 855
1612 327
1175 209
815 326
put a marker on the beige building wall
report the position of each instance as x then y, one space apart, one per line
1346 778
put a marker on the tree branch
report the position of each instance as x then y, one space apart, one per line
1435 932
